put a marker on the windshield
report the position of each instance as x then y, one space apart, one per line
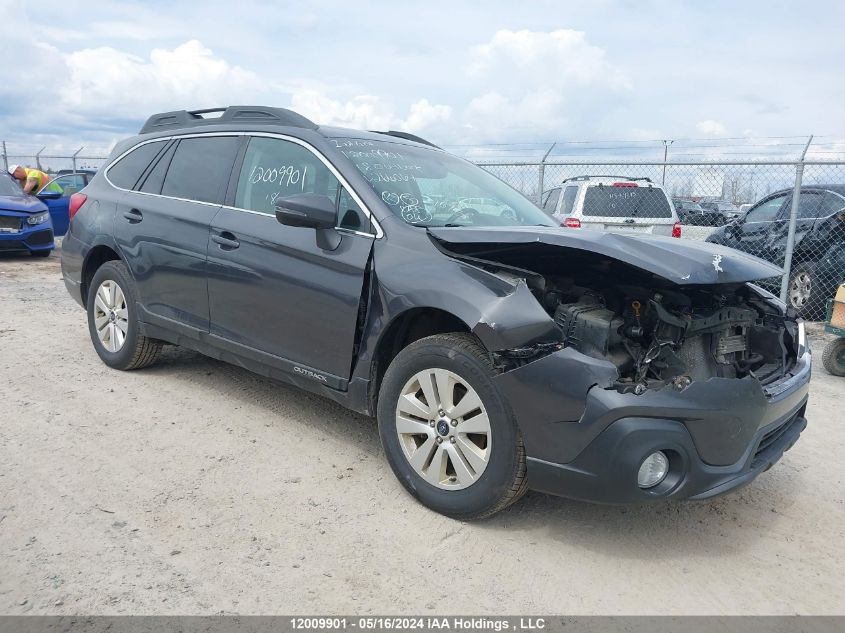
9 187
427 187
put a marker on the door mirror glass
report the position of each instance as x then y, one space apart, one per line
307 210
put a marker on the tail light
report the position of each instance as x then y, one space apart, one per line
625 184
76 201
676 229
572 223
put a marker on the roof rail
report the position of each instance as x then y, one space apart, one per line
407 136
588 177
231 114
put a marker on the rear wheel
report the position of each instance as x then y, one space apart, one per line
113 322
833 357
448 433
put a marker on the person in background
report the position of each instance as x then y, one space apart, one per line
32 180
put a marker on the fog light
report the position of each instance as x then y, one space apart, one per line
653 470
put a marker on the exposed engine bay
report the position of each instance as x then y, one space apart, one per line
656 333
672 336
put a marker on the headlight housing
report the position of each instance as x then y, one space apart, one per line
38 218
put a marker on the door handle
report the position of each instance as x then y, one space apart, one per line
133 215
226 241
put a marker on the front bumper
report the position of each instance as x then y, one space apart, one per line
29 238
719 434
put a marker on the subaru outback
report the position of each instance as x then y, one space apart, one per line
498 352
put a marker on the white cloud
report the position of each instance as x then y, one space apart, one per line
547 82
559 58
711 128
423 114
367 112
108 82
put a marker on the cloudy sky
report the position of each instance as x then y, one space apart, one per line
458 72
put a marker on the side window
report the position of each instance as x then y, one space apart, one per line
200 168
569 195
126 172
350 214
766 211
551 202
68 185
810 206
154 179
276 168
832 204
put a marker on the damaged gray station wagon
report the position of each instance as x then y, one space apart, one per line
499 351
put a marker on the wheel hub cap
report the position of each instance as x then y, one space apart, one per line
111 317
443 429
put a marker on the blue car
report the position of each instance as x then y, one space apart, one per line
25 223
56 195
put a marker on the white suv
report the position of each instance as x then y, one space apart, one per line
612 203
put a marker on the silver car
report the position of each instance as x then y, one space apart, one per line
612 203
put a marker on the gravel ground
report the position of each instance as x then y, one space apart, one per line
194 487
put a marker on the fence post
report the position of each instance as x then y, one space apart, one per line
542 176
38 158
5 158
73 158
666 144
793 217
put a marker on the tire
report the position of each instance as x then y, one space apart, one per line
833 357
45 253
803 290
132 350
472 489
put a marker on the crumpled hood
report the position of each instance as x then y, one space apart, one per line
680 261
21 204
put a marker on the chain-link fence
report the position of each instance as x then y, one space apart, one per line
747 206
50 161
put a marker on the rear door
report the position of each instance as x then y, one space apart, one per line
161 226
288 297
627 207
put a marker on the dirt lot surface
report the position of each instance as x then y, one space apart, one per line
194 487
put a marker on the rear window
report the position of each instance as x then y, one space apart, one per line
126 172
626 202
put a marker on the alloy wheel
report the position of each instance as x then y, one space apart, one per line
443 429
111 317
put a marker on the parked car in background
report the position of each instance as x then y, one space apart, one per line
25 224
497 354
612 203
56 195
487 206
723 212
692 213
820 226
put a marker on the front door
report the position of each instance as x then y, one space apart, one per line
753 233
287 296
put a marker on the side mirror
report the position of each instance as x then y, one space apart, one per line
49 195
307 210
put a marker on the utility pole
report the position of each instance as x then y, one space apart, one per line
666 144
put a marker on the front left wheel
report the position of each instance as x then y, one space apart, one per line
113 322
447 431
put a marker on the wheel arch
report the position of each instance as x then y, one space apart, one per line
95 258
405 328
